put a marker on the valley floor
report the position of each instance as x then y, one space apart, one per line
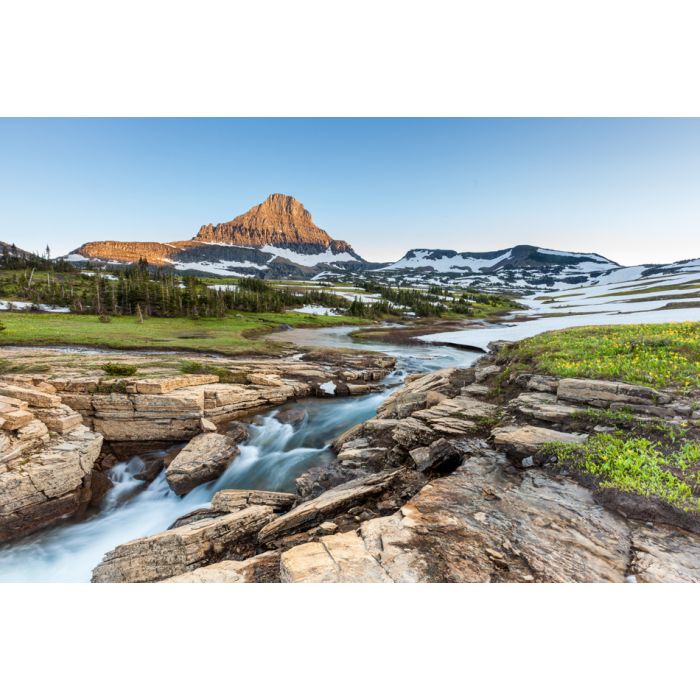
236 334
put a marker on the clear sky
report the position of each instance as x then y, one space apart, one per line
628 189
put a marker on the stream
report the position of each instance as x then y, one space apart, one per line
272 458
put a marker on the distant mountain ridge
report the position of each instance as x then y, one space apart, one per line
508 258
278 239
520 268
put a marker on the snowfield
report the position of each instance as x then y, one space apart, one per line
308 260
588 306
316 310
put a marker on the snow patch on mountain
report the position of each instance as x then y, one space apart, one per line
227 268
446 261
308 259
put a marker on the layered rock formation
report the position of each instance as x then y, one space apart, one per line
446 484
178 407
132 251
46 459
183 549
280 221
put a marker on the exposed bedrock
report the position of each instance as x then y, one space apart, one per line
46 459
447 483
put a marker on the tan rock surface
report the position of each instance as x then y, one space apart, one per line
600 393
315 511
664 554
480 524
263 568
44 476
203 459
526 440
183 549
340 558
232 500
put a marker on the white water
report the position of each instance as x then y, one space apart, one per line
272 458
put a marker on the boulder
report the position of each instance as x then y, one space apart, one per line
415 394
292 416
457 416
541 382
33 397
203 459
263 379
59 419
207 426
483 372
362 457
263 568
232 500
323 476
238 432
526 440
411 432
601 394
475 390
183 549
543 406
326 505
440 456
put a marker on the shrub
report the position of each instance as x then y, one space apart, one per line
114 369
225 375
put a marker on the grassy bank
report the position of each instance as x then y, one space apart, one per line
655 355
643 462
638 466
236 334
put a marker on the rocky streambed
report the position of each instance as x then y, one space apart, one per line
236 436
440 479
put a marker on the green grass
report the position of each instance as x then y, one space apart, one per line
636 465
114 369
237 334
656 355
224 374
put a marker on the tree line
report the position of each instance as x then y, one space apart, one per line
144 291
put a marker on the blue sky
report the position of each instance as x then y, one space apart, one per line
626 188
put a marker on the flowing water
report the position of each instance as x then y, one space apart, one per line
272 458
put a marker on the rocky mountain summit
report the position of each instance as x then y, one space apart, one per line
452 481
280 221
277 238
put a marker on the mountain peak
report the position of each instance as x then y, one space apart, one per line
279 221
